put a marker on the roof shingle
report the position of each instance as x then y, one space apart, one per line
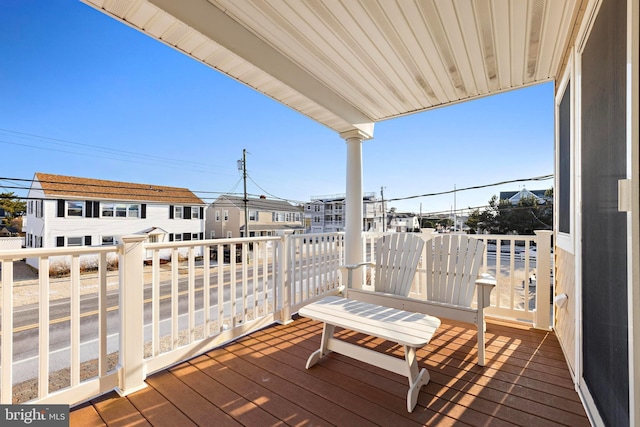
100 189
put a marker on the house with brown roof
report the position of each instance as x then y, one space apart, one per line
266 217
72 211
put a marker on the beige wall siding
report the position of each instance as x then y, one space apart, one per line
565 317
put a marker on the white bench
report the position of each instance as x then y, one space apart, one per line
411 330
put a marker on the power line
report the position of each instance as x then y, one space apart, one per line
475 187
113 154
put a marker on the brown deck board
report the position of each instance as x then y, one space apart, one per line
261 380
85 415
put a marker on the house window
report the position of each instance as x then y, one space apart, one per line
564 166
133 211
226 215
75 208
213 234
195 212
74 241
177 237
217 216
108 240
120 210
229 234
177 212
108 210
253 215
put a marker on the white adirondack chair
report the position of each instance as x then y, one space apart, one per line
452 264
397 257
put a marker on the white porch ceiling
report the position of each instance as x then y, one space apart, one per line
349 63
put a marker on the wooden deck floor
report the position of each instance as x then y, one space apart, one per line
261 380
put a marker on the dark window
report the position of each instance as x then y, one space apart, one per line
87 240
60 240
186 236
170 212
171 237
564 162
61 206
187 212
143 210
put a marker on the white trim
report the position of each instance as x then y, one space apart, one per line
633 217
585 29
566 241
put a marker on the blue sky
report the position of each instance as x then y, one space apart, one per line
84 95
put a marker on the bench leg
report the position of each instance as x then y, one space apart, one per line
417 378
327 333
481 329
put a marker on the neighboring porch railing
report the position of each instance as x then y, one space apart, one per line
120 313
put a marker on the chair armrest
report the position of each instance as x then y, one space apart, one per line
350 268
484 285
354 266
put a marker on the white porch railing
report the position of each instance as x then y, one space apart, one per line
107 325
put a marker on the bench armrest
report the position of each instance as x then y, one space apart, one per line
350 268
484 285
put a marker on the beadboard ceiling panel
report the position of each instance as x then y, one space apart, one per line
350 63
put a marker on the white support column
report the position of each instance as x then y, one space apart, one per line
130 264
353 201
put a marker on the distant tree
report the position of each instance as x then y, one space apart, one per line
12 205
501 217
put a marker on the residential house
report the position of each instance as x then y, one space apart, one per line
402 222
326 214
74 211
514 196
267 217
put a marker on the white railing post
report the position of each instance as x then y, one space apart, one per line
542 315
283 281
131 357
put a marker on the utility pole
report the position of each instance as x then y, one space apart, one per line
243 163
384 211
455 213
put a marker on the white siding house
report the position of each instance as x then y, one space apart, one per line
73 211
327 214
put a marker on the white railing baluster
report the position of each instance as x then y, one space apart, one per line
245 282
220 285
206 289
191 277
75 320
233 277
102 314
175 284
43 328
6 336
155 302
